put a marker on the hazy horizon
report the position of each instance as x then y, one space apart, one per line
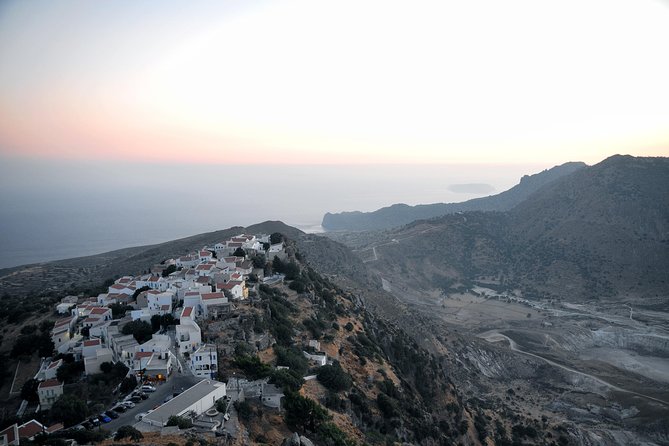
61 209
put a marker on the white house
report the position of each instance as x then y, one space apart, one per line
49 371
157 344
90 347
188 261
236 287
160 303
48 392
124 347
320 359
204 361
205 256
153 365
188 334
64 308
92 363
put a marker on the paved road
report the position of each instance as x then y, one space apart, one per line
176 383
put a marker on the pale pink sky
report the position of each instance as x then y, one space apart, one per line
345 82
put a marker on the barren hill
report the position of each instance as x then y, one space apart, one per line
602 232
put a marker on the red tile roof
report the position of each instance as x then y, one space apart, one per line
192 293
55 364
100 310
139 355
11 432
187 312
91 343
30 429
209 296
49 383
165 307
55 427
228 286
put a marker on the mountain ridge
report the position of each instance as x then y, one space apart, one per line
401 214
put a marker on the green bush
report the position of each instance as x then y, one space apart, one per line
180 422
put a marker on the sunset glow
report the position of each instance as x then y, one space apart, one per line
344 82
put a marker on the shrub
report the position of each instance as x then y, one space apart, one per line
180 422
128 432
334 377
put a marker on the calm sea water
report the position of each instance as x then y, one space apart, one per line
55 210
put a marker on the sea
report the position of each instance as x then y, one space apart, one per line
58 209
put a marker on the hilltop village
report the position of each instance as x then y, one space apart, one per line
164 337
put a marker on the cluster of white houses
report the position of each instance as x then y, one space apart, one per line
201 285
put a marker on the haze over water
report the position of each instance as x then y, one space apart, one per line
54 210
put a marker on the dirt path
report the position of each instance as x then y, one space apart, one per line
495 336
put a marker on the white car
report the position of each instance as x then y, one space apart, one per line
147 388
128 404
139 416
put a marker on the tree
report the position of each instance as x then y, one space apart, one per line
69 409
128 432
304 413
239 252
166 320
334 377
106 367
119 310
155 322
128 383
275 238
259 260
139 291
289 380
169 270
141 330
70 372
29 391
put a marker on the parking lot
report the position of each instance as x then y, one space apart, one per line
177 383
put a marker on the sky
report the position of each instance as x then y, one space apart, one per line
346 82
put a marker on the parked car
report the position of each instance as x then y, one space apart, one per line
87 425
104 418
128 404
112 414
139 416
94 421
167 398
119 408
135 399
147 388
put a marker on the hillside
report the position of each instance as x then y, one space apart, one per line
401 214
88 273
599 233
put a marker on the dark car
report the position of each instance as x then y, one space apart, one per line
135 399
120 408
94 421
112 414
104 418
87 425
141 395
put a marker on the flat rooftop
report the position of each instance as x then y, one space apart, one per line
180 403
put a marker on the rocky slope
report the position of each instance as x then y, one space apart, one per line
600 233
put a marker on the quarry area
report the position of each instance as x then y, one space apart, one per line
601 368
